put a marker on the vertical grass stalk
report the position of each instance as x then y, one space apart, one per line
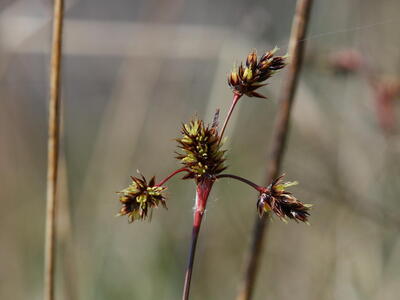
280 133
53 149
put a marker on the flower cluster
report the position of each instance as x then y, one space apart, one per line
275 198
201 150
140 197
246 80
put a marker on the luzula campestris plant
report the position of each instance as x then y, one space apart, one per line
200 151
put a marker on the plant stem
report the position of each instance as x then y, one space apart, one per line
189 269
53 149
280 133
235 100
244 180
202 193
172 175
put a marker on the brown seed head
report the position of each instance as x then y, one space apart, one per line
275 198
140 197
246 80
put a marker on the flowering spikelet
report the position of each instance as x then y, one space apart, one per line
202 153
281 202
245 80
140 197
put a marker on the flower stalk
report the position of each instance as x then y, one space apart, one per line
275 198
236 98
241 179
162 182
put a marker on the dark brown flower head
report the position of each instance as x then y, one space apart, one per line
275 198
201 148
141 197
247 79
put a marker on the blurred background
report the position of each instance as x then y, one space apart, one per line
132 72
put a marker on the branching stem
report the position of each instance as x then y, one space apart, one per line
244 180
172 175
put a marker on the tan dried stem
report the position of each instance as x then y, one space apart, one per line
53 149
280 133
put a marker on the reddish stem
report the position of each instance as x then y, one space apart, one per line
172 175
244 180
202 193
236 98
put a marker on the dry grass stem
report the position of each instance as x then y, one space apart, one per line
280 133
53 149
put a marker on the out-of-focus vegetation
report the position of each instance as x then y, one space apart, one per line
132 72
